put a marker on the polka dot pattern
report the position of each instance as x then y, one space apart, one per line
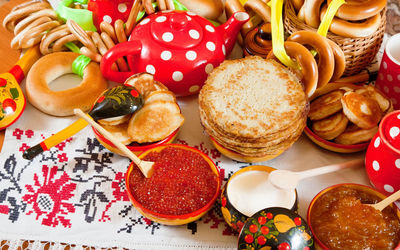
210 46
389 77
210 28
194 88
122 7
177 76
166 55
394 132
168 37
150 69
376 166
389 80
191 55
396 89
107 18
384 64
397 163
144 21
194 34
223 50
377 142
161 19
209 68
388 188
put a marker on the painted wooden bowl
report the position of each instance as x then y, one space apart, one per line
136 148
363 192
276 228
231 214
178 154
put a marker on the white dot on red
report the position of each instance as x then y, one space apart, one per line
397 163
194 34
150 69
223 50
389 77
168 37
396 89
194 88
388 188
191 13
381 76
386 89
210 46
166 55
376 166
191 55
394 131
144 21
161 19
209 68
122 7
377 142
210 28
177 76
384 65
107 19
394 101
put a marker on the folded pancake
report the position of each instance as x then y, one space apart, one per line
330 127
354 135
326 105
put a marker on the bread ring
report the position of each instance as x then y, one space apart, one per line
340 60
301 14
297 4
260 8
162 5
330 127
119 31
51 37
326 60
326 105
355 10
356 29
82 36
362 111
355 135
309 67
26 21
62 103
311 12
35 35
210 9
109 30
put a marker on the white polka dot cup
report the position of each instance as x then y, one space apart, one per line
382 160
388 79
179 48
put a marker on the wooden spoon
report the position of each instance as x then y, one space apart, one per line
387 201
145 166
285 179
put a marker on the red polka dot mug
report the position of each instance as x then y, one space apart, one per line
179 48
388 79
382 160
109 11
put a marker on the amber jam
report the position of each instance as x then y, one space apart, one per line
341 220
182 182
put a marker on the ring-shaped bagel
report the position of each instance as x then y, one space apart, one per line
311 12
62 103
340 60
326 59
260 8
309 67
353 30
355 10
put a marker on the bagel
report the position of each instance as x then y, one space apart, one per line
326 59
311 12
309 67
210 9
362 111
340 60
358 10
353 29
260 8
62 103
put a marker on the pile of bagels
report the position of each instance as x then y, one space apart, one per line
349 114
353 19
253 108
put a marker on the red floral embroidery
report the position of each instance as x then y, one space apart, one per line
18 133
23 147
119 193
62 157
29 133
147 221
4 209
49 198
62 145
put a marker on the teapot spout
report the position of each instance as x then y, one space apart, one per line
231 28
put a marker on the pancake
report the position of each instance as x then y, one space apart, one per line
330 127
326 105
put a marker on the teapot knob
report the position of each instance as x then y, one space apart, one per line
178 21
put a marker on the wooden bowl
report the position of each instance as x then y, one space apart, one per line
173 219
366 189
233 216
136 148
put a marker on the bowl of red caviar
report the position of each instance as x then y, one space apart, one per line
183 187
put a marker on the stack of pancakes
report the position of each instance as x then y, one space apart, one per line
253 106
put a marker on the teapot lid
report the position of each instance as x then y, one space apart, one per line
390 129
176 29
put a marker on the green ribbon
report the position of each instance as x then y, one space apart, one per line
79 64
81 16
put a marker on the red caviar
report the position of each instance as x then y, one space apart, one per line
182 182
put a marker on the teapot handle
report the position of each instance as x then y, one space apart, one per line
129 48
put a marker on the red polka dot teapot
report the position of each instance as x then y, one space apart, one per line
179 48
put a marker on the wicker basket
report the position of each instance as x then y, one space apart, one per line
359 52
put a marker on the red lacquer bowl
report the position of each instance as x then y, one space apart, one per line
174 219
318 243
136 148
382 160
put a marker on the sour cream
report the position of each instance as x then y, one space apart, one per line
250 191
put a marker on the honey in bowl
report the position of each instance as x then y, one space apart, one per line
340 219
182 182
